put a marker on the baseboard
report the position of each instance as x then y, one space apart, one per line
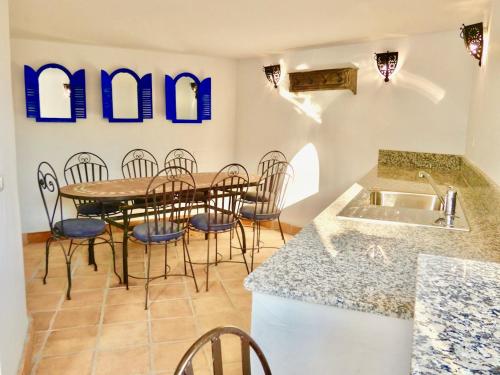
29 343
36 237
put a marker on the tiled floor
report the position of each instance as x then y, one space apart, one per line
104 328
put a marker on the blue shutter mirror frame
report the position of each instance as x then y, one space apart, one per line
77 93
144 96
204 95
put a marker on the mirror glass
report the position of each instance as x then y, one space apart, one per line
125 96
186 102
54 93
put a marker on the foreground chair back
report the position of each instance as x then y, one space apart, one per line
185 367
78 230
168 202
139 163
180 157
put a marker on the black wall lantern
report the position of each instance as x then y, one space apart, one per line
386 63
473 39
273 73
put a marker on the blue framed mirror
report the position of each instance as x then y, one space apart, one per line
126 97
188 100
53 94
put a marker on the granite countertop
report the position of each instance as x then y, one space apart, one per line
372 267
457 314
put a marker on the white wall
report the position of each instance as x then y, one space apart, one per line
483 136
212 142
423 108
13 319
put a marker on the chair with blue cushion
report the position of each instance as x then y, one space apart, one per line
168 202
79 230
88 167
270 200
265 162
223 207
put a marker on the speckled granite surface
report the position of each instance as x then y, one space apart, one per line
372 267
457 317
408 159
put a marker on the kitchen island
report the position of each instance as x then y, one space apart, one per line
339 298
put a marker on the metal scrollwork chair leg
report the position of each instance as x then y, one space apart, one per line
47 248
281 231
186 252
148 270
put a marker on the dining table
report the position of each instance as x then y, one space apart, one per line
131 193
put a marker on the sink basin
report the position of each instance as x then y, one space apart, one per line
405 200
408 208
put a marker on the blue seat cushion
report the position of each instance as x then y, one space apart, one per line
201 222
170 232
98 208
261 214
80 228
252 196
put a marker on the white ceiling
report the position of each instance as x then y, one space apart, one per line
235 28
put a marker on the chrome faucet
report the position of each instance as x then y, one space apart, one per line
448 200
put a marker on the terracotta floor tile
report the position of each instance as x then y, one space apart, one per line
89 282
131 312
72 340
84 316
84 298
175 329
170 309
166 356
123 296
232 271
75 364
114 336
215 289
54 285
123 339
210 321
212 305
165 291
133 361
43 302
41 320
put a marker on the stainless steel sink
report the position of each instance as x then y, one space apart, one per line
403 207
405 200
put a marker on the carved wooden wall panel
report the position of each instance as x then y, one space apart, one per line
327 79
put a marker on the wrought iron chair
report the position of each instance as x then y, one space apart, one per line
88 167
181 158
223 207
139 163
270 200
169 198
79 230
265 162
185 366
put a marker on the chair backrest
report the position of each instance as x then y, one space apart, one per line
269 159
185 367
169 198
181 158
272 187
139 163
85 167
49 190
224 196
